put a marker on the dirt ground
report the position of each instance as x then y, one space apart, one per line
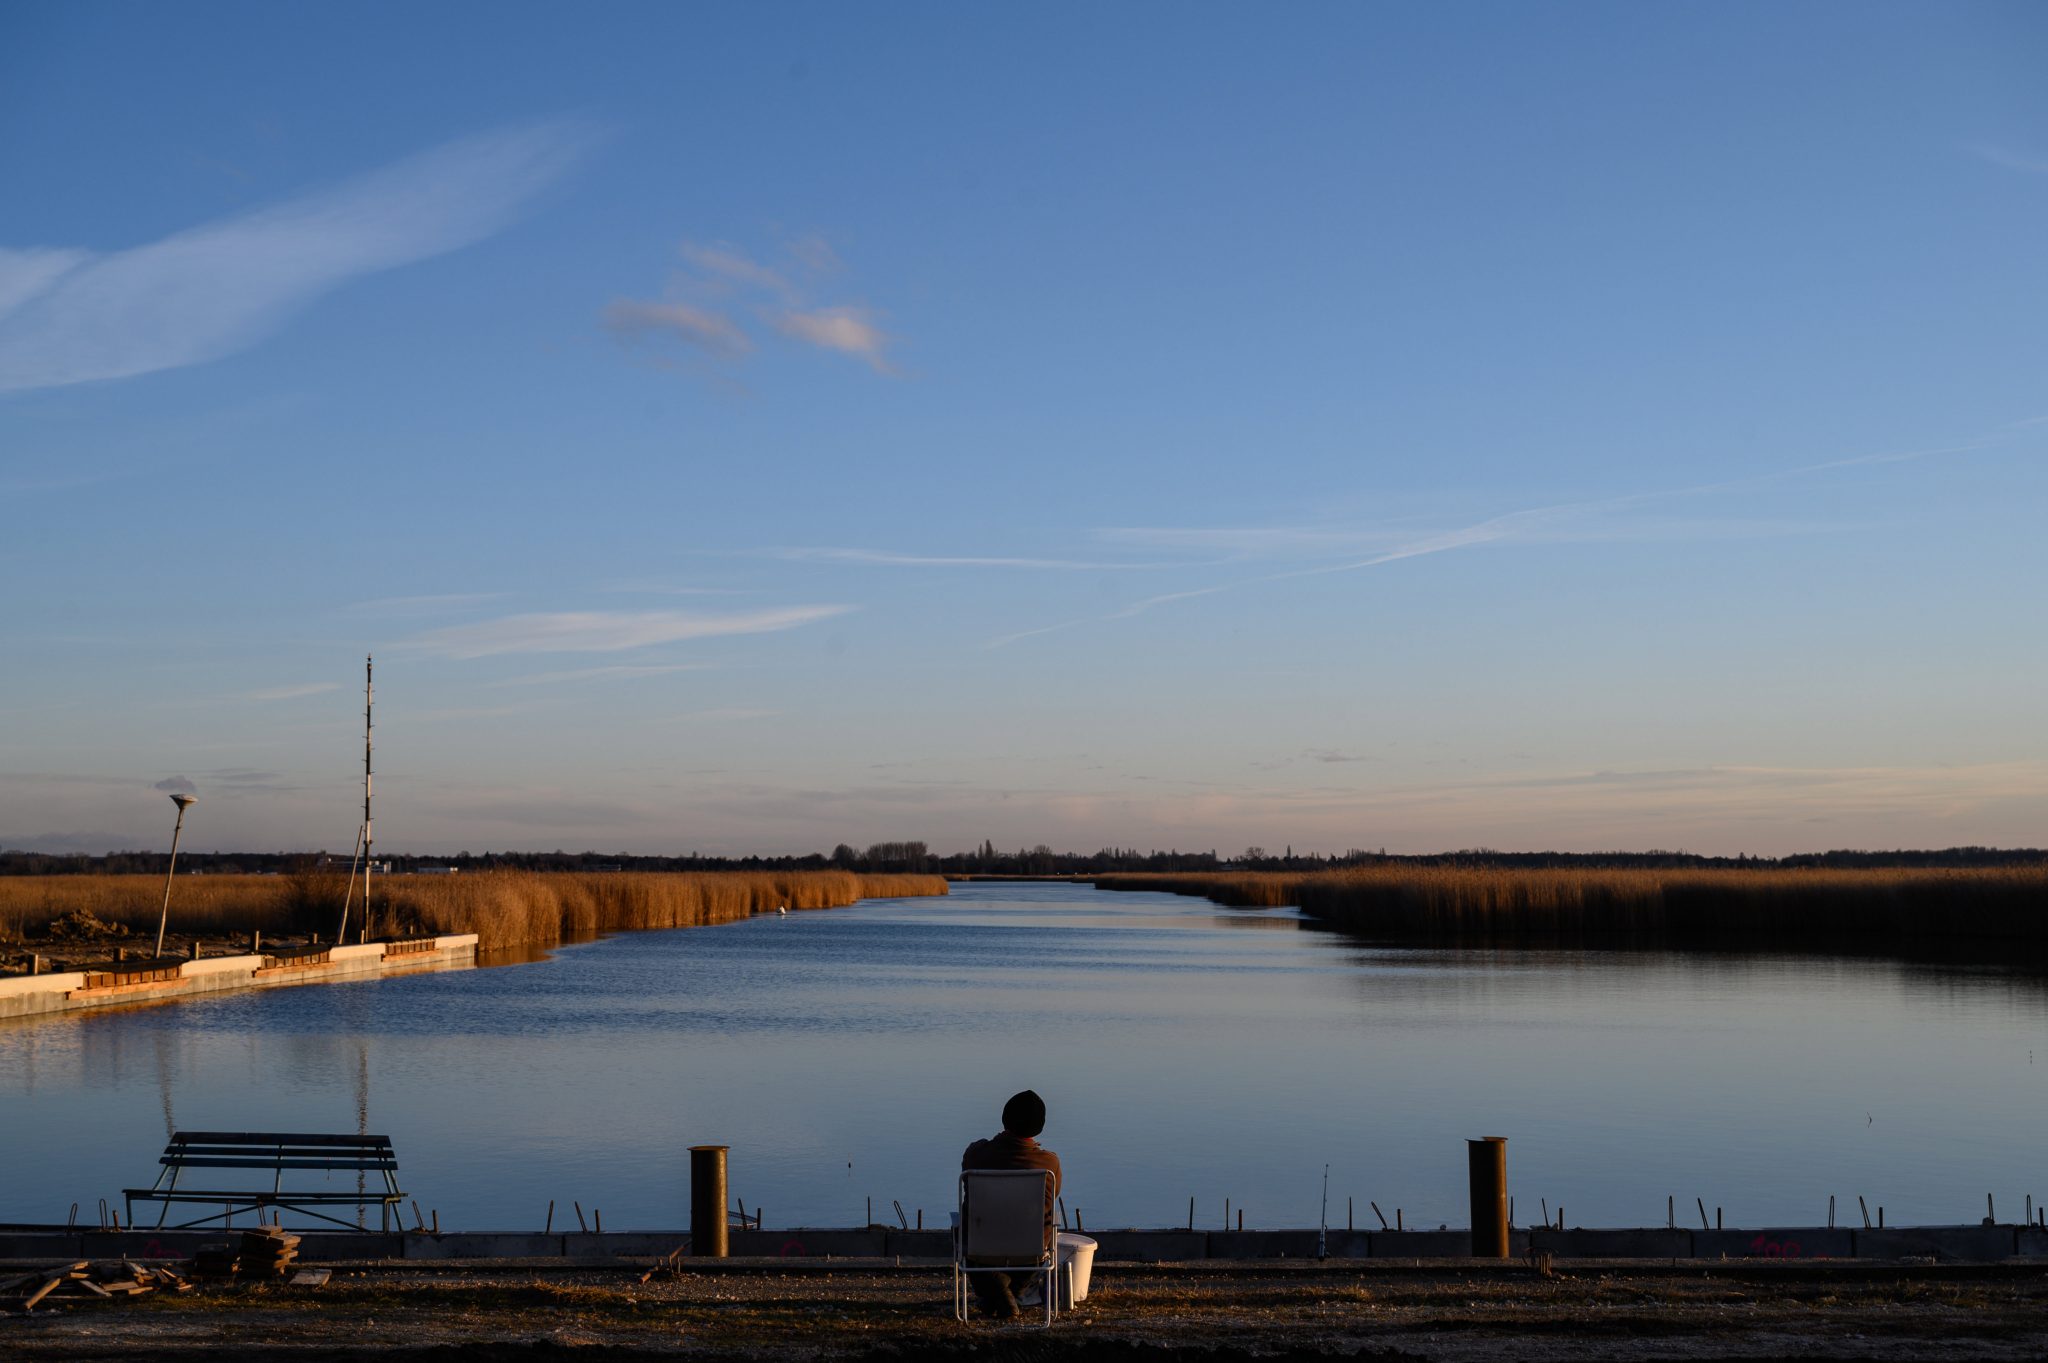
1218 1312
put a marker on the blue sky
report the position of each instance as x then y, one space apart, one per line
755 427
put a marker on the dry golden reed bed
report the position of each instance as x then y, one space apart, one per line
504 908
1883 904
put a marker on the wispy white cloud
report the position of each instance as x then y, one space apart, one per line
619 673
293 692
722 262
709 331
848 330
423 605
1602 519
814 253
1251 540
886 559
1136 608
24 274
70 316
650 587
607 631
2011 160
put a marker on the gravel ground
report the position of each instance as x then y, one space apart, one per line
775 1313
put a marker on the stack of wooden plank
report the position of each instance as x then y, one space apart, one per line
86 1281
267 1252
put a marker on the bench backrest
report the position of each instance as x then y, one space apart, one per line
277 1150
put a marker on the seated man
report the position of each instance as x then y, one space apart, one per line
1014 1147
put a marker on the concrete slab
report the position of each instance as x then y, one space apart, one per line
1656 1242
348 1245
40 1245
483 1245
1262 1244
180 1244
42 984
1807 1242
221 965
623 1244
809 1243
920 1244
1948 1244
1420 1244
1350 1244
1150 1246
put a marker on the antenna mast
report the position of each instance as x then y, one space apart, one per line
369 664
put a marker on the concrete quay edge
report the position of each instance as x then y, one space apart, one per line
1939 1244
28 996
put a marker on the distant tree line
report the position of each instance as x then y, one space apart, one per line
986 859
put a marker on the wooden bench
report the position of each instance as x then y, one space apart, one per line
370 1158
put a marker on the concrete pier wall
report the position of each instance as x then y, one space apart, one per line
23 996
1942 1244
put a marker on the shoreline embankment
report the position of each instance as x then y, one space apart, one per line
1900 910
70 932
1957 1244
79 914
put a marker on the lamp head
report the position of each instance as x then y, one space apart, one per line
181 801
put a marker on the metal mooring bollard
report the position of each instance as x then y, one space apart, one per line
1489 1164
707 1201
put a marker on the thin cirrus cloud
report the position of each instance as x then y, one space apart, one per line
700 328
69 316
727 265
1616 518
882 558
607 631
2011 160
438 604
294 692
622 672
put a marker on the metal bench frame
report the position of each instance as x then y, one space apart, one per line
274 1152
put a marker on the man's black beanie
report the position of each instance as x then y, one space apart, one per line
1024 1115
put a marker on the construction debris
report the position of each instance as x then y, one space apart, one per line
267 1252
87 1281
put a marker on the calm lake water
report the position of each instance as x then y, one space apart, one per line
1183 1051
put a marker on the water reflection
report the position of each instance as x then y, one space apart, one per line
1185 1051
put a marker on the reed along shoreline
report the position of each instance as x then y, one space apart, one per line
505 909
1884 909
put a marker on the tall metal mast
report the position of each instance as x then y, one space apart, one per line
369 665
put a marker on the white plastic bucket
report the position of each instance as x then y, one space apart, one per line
1077 1261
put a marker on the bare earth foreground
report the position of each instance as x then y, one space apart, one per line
483 1312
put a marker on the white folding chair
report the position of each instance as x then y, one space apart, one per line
1001 1228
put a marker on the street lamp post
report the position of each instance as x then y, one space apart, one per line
182 802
